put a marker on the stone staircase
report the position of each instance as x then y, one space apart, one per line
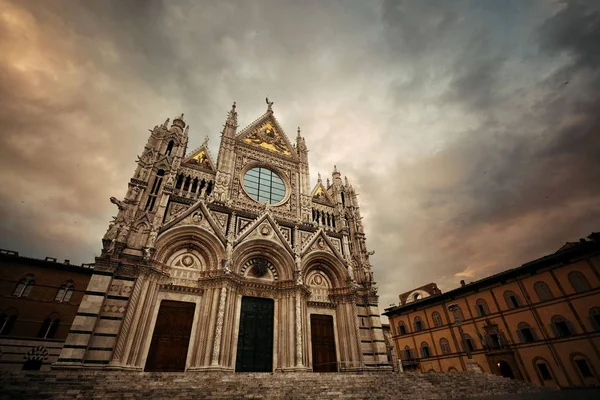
147 385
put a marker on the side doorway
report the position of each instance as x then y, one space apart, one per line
323 343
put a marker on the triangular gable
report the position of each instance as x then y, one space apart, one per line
197 214
266 133
319 193
320 241
264 227
201 156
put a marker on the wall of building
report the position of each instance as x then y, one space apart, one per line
559 354
24 339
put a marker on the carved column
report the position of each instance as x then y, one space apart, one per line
219 328
125 327
299 362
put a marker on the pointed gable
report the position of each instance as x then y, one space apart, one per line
201 156
199 215
267 134
264 227
320 194
321 242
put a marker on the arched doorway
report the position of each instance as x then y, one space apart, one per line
505 369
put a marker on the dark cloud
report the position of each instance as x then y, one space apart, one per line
469 128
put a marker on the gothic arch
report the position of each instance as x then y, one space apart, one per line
329 264
194 237
271 250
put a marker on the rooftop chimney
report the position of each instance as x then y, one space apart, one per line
462 282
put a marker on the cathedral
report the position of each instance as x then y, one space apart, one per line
233 264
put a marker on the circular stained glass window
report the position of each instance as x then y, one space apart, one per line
264 185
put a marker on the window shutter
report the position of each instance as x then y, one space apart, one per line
521 336
554 330
594 323
571 327
533 333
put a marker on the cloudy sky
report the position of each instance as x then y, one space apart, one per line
470 129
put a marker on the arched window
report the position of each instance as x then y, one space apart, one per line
401 328
170 147
65 292
543 291
469 343
416 296
512 301
561 327
525 332
49 327
482 307
445 346
24 286
155 189
7 320
578 281
543 369
425 352
457 313
437 318
407 353
419 326
582 366
594 315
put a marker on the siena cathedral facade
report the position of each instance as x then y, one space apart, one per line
233 264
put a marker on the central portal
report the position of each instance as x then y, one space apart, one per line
323 343
169 346
255 340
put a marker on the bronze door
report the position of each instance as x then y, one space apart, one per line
255 339
171 337
323 343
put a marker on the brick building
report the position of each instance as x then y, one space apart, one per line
539 322
38 302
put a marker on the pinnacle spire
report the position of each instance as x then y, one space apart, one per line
298 133
232 116
319 178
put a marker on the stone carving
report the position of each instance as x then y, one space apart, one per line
219 328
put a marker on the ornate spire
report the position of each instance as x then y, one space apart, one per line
179 122
232 116
187 130
166 124
319 177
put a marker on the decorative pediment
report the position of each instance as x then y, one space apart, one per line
266 133
320 195
264 227
201 156
321 242
198 214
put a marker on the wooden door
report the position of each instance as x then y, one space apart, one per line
171 337
323 343
255 339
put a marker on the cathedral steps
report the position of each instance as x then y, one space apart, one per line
136 385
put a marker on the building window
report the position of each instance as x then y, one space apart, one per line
543 291
512 301
578 281
437 318
445 346
407 353
482 307
155 189
7 320
561 327
49 327
457 312
401 328
583 367
425 350
264 185
418 324
469 342
64 292
594 315
494 341
525 333
170 148
24 286
544 371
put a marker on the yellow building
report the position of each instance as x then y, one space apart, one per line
539 322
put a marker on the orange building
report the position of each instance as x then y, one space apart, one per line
38 302
539 322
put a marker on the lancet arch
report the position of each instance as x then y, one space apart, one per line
204 247
272 251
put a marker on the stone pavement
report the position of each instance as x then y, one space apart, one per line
100 385
567 394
